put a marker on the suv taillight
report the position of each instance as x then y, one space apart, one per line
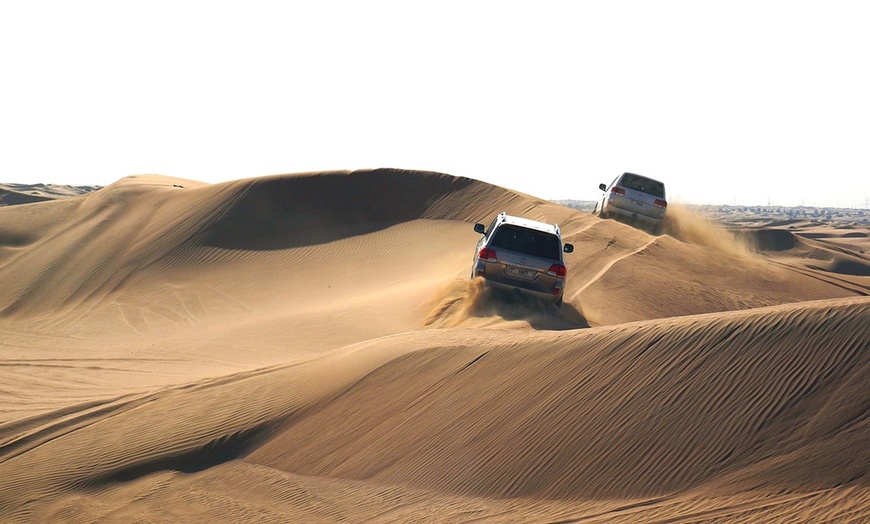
617 190
557 270
661 203
488 254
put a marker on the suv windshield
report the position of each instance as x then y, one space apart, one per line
527 241
645 185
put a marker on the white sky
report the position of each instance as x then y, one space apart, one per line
726 102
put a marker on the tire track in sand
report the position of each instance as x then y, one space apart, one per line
609 265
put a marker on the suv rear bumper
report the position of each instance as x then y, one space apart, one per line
613 210
536 292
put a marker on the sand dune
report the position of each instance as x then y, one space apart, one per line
14 194
309 348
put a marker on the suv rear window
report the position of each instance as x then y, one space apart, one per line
643 184
527 241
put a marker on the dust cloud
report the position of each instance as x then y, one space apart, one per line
693 228
473 303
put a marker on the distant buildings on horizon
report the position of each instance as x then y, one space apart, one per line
817 213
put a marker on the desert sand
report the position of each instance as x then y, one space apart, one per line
309 348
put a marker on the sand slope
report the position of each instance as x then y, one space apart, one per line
308 347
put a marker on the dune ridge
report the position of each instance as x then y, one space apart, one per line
765 399
310 347
146 221
607 412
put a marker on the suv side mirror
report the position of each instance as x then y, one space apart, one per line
479 228
569 248
602 187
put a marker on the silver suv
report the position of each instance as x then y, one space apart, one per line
517 253
634 197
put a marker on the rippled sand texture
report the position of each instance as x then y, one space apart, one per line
309 348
